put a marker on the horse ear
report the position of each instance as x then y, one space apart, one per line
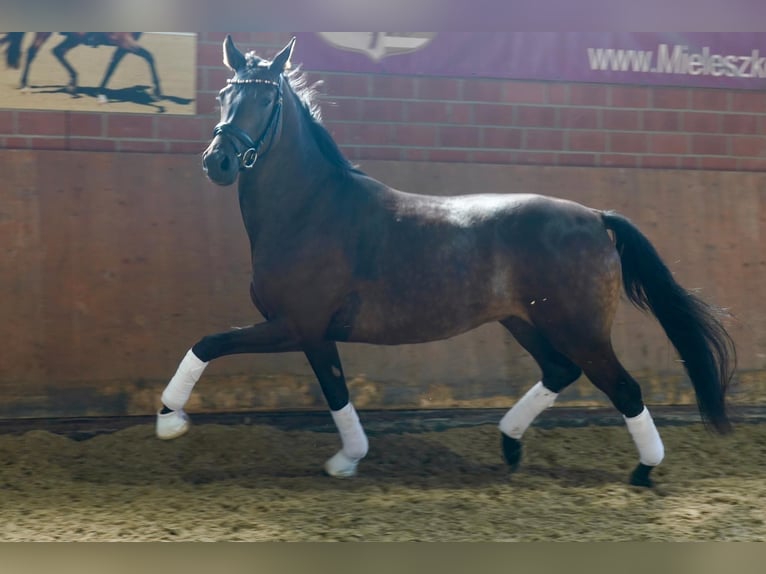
281 61
232 57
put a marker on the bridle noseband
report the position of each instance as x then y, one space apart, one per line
252 152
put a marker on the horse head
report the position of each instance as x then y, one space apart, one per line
251 112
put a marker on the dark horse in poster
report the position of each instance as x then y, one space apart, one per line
124 42
338 256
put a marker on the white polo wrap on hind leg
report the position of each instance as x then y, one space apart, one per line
180 387
650 448
518 419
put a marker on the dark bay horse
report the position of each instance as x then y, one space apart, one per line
125 43
338 256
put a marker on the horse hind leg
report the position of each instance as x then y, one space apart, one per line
60 51
558 372
605 371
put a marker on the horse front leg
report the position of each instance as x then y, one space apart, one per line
60 52
325 362
269 337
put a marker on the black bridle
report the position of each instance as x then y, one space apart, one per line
252 151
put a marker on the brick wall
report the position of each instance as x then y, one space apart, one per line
451 119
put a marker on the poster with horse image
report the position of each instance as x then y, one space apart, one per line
138 72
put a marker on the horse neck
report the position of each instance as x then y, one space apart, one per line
292 172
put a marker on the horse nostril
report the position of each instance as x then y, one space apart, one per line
225 163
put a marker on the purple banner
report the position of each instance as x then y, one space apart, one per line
703 59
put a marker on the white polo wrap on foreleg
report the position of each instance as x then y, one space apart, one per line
518 419
180 387
650 448
352 435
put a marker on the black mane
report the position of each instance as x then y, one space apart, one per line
309 108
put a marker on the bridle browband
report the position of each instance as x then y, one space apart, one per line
252 152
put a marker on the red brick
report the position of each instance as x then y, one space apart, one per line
629 96
581 159
145 146
587 141
670 98
449 155
48 143
460 113
544 140
718 163
751 164
622 142
207 105
414 154
621 119
558 94
493 156
676 144
402 87
525 92
12 142
709 145
214 79
382 110
663 121
710 99
535 157
92 144
580 118
748 102
702 122
129 126
348 85
181 128
458 136
7 121
739 124
89 125
536 116
379 153
505 138
688 162
186 147
493 115
349 109
42 123
588 94
368 134
415 135
659 161
483 90
210 55
618 160
748 146
428 88
428 112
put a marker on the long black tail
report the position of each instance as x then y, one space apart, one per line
692 325
13 51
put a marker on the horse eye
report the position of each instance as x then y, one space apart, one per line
266 101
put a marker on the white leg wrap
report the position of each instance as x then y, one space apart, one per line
518 419
650 448
355 443
180 387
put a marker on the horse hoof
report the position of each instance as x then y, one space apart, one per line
512 452
172 425
25 89
640 476
102 99
340 466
